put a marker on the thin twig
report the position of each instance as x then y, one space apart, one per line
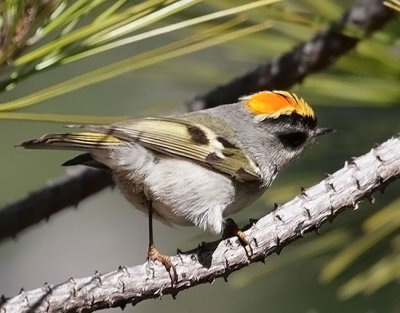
356 181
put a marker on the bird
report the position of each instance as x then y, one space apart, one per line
196 168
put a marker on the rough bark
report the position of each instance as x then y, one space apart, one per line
357 180
290 68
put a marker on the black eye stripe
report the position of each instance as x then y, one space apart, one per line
295 119
293 139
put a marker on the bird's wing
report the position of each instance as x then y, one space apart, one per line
185 139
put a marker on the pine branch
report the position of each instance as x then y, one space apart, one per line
16 29
76 185
357 180
316 54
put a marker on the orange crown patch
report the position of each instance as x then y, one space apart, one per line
272 104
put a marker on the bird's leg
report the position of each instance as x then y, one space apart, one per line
232 229
153 253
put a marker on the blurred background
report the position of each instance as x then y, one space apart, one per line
354 266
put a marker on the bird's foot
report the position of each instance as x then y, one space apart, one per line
232 229
165 260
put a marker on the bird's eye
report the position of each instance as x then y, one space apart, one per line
292 140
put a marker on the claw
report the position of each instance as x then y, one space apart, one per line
165 260
232 229
242 237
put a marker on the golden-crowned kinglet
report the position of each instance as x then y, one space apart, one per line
196 168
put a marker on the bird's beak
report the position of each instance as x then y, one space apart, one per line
323 131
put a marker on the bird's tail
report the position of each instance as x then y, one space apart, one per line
82 141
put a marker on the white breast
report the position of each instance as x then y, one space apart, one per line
181 191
